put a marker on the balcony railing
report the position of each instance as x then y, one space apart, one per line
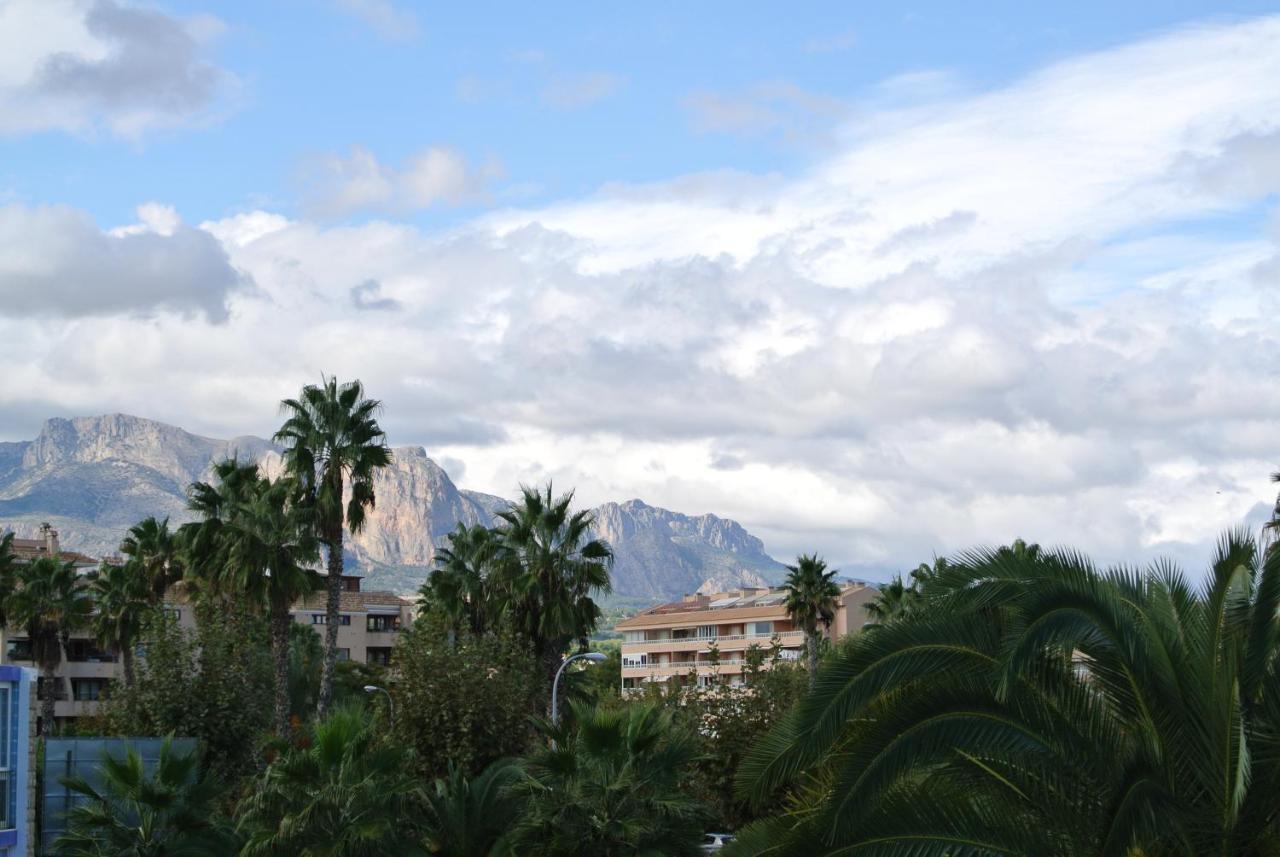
783 635
682 664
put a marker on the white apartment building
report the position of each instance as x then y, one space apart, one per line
673 642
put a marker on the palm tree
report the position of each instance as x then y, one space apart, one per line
334 447
345 792
895 599
1044 707
550 569
610 785
172 811
470 817
158 553
812 598
8 572
898 599
258 543
121 597
459 587
50 601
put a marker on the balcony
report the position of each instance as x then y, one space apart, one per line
726 642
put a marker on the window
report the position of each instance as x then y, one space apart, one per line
761 629
17 650
706 631
634 636
641 660
382 623
344 654
379 655
85 651
88 689
322 619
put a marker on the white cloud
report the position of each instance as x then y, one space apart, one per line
988 316
77 65
56 263
578 91
775 107
335 185
386 18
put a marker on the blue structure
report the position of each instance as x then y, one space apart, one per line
81 757
16 686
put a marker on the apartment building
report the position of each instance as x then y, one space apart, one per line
370 622
673 642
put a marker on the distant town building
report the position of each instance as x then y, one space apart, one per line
674 642
369 625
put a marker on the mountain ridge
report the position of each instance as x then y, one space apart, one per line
93 477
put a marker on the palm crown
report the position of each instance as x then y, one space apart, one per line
50 601
812 597
333 442
122 600
157 552
550 569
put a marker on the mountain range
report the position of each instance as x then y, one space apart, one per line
94 477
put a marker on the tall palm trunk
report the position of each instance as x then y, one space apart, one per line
280 623
811 644
552 658
331 610
48 671
126 659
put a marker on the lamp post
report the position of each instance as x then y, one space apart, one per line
592 657
391 703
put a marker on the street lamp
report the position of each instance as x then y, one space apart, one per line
593 657
391 705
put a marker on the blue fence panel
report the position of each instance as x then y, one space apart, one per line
80 757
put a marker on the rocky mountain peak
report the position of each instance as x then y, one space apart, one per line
95 476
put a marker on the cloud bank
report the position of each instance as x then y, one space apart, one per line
995 314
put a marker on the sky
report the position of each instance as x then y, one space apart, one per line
880 281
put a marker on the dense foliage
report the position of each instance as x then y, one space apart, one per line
471 816
213 684
344 790
727 722
465 701
256 546
610 784
1038 705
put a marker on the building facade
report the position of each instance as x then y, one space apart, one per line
17 762
370 624
681 641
